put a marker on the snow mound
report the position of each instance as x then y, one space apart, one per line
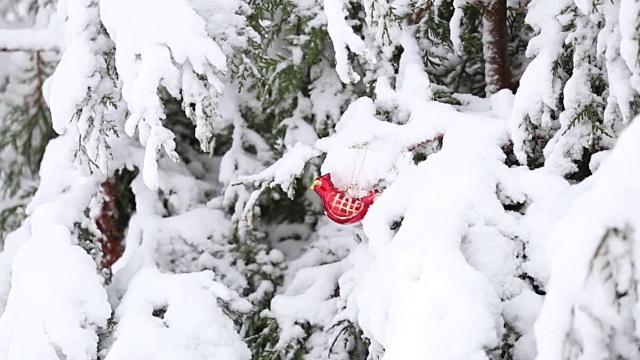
177 316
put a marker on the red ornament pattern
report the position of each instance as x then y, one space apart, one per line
339 206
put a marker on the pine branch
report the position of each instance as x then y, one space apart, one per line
28 40
40 79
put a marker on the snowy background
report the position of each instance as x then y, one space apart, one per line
156 158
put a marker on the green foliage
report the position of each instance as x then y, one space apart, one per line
469 74
519 35
608 270
464 72
25 129
96 115
260 330
351 338
265 336
11 214
434 33
443 95
614 251
125 201
280 209
594 114
280 65
178 123
505 350
26 124
536 143
277 73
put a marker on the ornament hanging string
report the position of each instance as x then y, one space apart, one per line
354 175
343 206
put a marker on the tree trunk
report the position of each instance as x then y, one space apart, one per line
112 235
495 39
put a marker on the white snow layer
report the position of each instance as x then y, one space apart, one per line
418 294
539 91
164 44
458 274
56 300
629 11
165 306
450 281
81 93
44 35
190 323
453 267
342 37
580 310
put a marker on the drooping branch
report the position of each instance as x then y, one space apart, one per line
28 40
496 46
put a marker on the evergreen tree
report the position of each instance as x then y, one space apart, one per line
156 158
25 121
576 95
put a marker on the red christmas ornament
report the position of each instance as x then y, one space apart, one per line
339 206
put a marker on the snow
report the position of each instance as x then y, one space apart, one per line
546 197
343 36
621 90
464 255
324 93
56 300
612 202
310 282
13 243
28 39
284 171
365 158
398 279
400 289
308 298
539 90
158 50
43 36
74 75
80 93
193 325
455 24
168 241
629 49
225 22
577 132
57 305
521 311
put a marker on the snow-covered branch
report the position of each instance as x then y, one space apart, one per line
28 40
343 37
180 58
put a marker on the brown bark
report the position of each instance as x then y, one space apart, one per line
419 14
496 46
112 235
